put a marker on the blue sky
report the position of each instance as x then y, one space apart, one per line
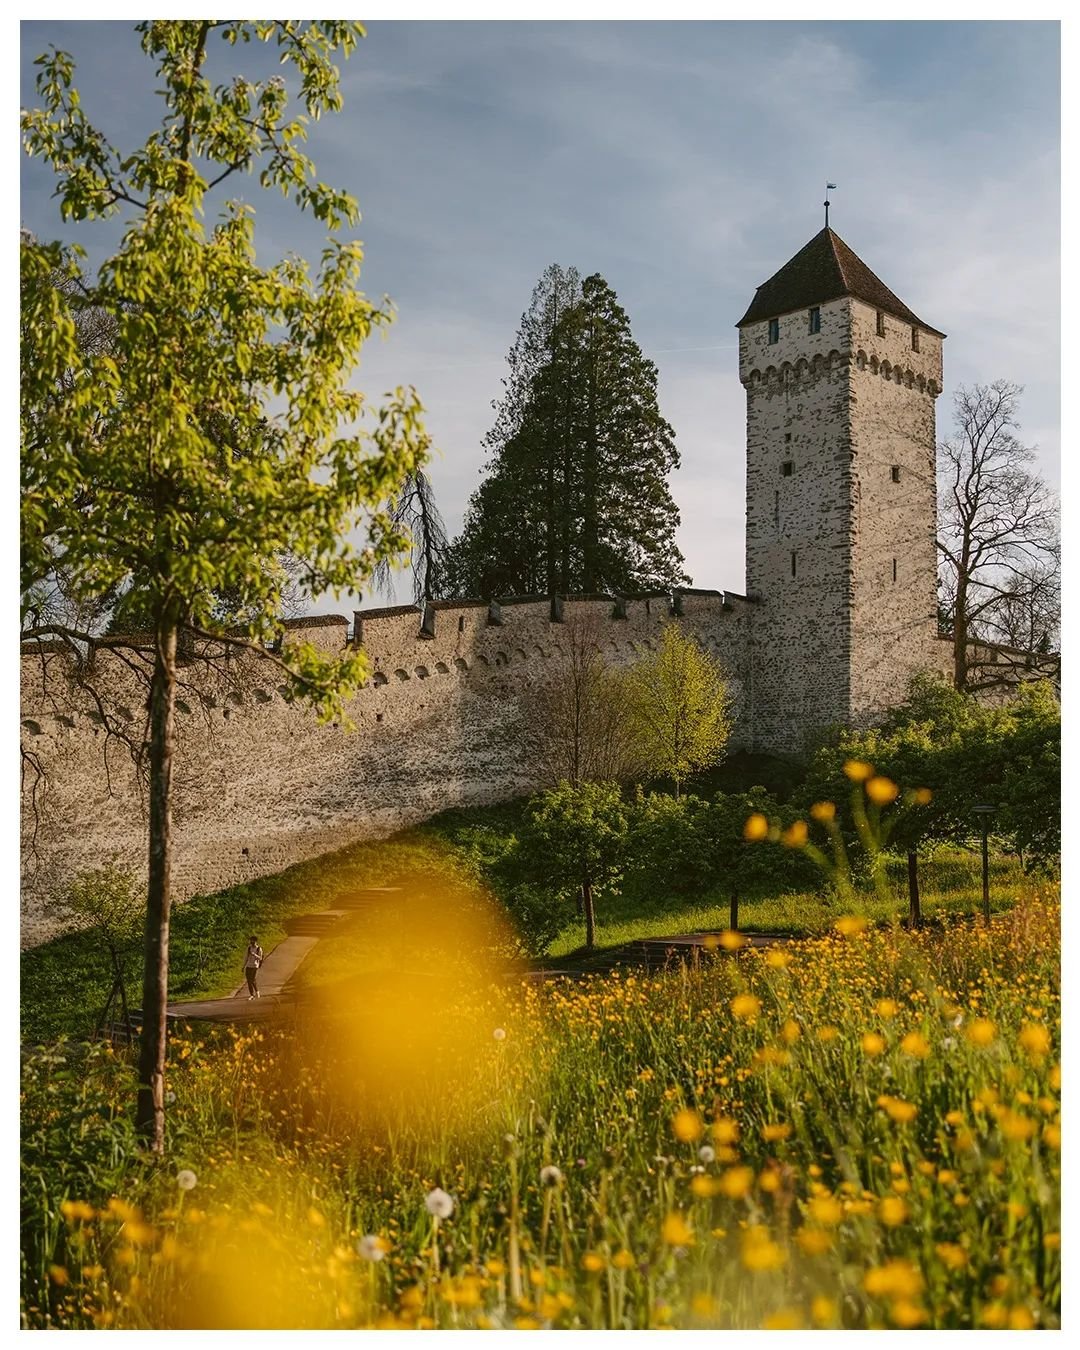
685 162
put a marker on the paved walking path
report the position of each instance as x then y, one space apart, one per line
283 961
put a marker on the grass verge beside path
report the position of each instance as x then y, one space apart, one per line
64 983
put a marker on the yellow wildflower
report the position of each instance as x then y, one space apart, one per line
687 1125
1034 1040
872 1044
759 1252
850 925
736 1182
746 1007
795 835
893 1211
725 1130
756 828
981 1032
858 770
825 1209
676 1232
952 1255
823 812
916 1045
881 791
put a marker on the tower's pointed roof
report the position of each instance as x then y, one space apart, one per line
823 270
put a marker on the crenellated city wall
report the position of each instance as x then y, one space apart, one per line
260 784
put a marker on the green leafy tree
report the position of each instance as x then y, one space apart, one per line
126 489
107 903
680 708
575 838
576 497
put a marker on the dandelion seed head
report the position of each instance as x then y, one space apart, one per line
438 1203
186 1179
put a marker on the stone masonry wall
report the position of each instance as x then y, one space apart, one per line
894 523
261 785
798 543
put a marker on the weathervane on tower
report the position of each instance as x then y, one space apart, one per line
829 187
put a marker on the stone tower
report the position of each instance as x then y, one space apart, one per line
841 380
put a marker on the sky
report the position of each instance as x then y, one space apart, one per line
686 162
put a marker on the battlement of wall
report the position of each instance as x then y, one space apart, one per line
260 783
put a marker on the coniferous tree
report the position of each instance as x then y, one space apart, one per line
576 495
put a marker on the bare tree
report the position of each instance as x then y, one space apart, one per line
415 508
579 717
997 524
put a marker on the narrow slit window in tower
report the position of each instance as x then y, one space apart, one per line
787 437
815 319
914 339
461 623
787 468
774 331
776 509
880 324
896 473
793 564
894 569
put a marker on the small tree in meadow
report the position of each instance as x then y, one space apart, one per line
680 708
219 429
575 837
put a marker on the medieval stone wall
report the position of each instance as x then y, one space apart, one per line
798 512
261 785
894 507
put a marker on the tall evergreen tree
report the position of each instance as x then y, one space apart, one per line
576 495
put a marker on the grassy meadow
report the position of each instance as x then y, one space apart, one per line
860 1129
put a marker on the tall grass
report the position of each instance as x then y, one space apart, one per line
859 1130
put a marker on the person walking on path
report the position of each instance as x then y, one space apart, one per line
252 961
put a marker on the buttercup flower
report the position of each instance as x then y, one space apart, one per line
858 770
881 791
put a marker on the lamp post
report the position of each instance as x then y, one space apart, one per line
984 812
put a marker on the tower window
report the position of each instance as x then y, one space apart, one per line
914 339
776 509
787 437
880 324
461 623
793 564
895 473
815 320
894 569
774 331
787 468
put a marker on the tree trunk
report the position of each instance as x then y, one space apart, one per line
150 1108
733 917
590 916
960 626
913 888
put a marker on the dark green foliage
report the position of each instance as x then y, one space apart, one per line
575 843
691 847
576 496
967 753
